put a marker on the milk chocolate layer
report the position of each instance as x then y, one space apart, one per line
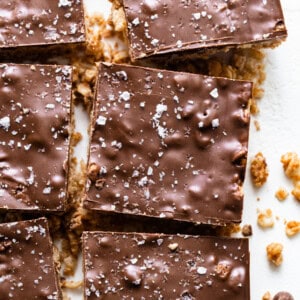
34 121
154 266
26 261
158 27
41 22
168 144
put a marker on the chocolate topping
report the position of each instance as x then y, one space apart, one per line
155 266
34 119
168 144
158 27
26 259
43 22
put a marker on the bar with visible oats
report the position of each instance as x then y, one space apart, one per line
35 103
26 259
38 27
168 145
166 27
157 266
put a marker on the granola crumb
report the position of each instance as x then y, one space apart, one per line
281 194
265 218
266 296
257 125
292 228
291 166
71 284
247 230
259 170
274 253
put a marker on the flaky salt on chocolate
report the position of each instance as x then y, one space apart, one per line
155 266
26 259
25 24
164 27
34 141
168 145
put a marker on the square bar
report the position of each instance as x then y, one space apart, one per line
168 145
156 266
26 260
174 26
35 105
41 23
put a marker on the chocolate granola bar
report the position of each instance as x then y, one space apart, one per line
34 28
168 145
27 268
155 266
35 105
166 27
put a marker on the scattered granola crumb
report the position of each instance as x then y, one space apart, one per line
266 296
71 284
265 218
292 228
247 230
281 194
283 296
291 166
274 253
258 169
257 125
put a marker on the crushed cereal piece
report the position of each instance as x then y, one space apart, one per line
281 194
265 218
274 253
291 166
292 228
266 296
258 169
247 230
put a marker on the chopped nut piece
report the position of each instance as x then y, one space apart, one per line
265 218
258 169
247 230
266 296
281 194
274 253
173 246
292 228
291 166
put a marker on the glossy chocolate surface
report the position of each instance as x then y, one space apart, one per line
159 26
34 121
168 145
41 22
154 266
26 261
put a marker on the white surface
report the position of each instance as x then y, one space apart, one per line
279 119
280 133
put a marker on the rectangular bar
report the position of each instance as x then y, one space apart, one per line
165 27
28 24
26 259
168 145
156 266
35 105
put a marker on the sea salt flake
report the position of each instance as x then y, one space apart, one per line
201 270
101 120
5 123
214 93
197 16
125 96
215 123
